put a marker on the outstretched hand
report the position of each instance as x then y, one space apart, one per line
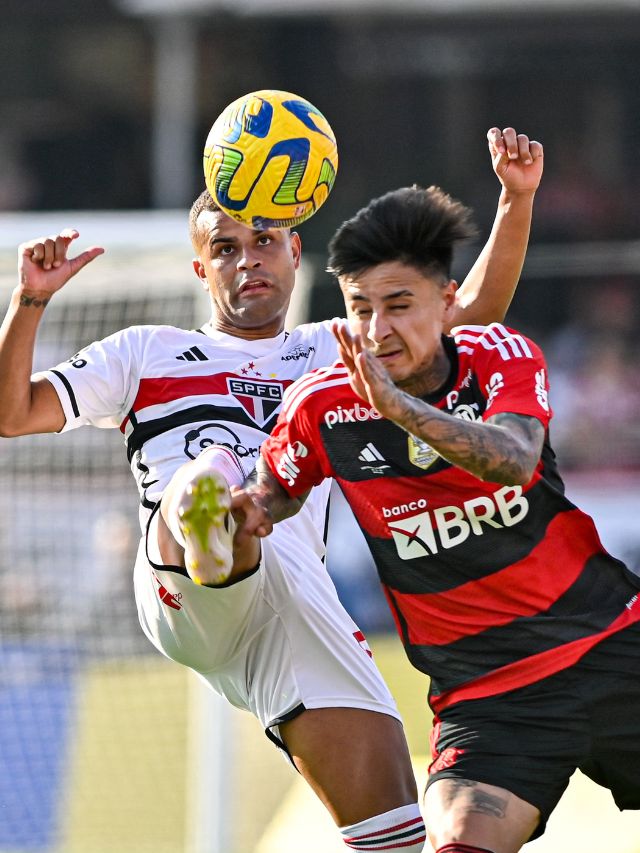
251 518
517 160
43 265
367 376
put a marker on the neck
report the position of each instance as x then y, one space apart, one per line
430 378
271 330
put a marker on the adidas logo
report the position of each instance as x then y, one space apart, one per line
193 354
375 461
370 453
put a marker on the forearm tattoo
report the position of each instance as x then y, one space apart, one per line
501 450
270 495
33 301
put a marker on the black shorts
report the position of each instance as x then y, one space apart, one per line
531 740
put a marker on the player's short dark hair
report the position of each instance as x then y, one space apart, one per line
415 226
203 202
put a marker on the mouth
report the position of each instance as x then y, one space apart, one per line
390 355
254 286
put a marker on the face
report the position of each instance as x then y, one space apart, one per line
249 274
400 315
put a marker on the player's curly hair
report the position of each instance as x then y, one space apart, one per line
416 226
203 202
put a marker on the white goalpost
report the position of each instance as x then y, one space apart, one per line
106 745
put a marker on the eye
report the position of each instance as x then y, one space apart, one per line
225 249
398 307
361 312
264 239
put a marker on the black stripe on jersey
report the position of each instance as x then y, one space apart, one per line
72 396
599 593
343 443
477 557
146 430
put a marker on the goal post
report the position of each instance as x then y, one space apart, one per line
106 744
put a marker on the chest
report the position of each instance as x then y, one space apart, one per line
361 446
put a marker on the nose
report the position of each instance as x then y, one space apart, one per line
248 259
378 328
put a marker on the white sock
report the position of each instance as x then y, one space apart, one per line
401 830
223 460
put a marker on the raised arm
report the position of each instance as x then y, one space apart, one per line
486 293
28 406
504 449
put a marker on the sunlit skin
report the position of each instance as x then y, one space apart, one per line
399 312
249 274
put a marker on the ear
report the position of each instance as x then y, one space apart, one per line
198 268
296 248
449 300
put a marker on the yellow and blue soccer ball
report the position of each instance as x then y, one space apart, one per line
270 159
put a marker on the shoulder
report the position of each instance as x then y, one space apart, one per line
316 338
314 388
313 331
495 339
146 334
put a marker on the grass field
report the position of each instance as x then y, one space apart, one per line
130 787
586 819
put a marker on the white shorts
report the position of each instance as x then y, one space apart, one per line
275 643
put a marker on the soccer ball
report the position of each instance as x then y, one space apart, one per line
270 159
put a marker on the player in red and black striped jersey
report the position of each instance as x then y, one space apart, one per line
499 585
273 638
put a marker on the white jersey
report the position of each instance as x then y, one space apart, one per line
279 641
174 392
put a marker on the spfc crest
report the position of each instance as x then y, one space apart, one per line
259 399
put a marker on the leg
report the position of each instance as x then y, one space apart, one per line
479 815
356 761
195 528
279 642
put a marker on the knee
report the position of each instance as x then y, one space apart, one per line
458 847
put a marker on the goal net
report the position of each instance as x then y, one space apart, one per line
106 746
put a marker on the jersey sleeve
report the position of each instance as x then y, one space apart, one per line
293 450
512 373
98 384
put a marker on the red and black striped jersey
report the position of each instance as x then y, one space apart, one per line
491 586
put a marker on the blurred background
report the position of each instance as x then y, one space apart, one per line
105 108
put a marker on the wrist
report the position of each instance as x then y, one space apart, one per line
511 196
31 298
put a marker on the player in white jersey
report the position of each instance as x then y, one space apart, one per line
272 637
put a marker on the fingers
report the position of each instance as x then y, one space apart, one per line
536 150
49 252
508 144
349 345
251 518
84 258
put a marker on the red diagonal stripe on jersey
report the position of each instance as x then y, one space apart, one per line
535 667
151 392
441 618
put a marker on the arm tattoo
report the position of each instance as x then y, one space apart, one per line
34 301
504 449
268 492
